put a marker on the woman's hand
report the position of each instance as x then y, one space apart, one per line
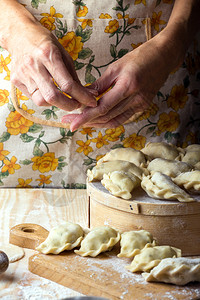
37 59
136 78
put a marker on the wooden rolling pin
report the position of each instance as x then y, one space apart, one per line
4 262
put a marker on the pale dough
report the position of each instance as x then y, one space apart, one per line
66 236
13 252
99 170
161 186
189 180
161 149
149 257
133 241
98 240
168 167
180 271
120 184
127 154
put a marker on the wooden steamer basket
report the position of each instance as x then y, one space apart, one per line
170 222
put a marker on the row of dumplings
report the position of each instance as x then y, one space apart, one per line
158 263
162 170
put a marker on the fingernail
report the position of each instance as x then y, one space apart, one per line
94 92
93 104
72 129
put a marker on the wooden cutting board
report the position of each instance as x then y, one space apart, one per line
103 276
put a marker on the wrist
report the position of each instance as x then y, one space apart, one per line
14 19
173 44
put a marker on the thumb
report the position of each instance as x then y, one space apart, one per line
102 84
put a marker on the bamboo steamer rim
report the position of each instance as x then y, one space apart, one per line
142 203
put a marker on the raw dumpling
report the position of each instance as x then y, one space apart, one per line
120 184
99 239
161 186
189 180
179 271
197 166
126 154
191 157
168 167
63 237
163 150
133 241
97 172
149 257
193 147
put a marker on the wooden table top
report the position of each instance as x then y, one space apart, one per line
47 208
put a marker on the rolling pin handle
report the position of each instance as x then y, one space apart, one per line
27 235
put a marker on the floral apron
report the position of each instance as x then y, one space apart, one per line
36 150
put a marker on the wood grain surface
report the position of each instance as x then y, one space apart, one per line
166 220
47 208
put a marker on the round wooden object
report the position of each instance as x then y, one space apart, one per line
4 262
170 222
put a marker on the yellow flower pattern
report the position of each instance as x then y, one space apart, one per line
17 124
48 19
134 141
94 37
72 44
84 147
168 122
24 183
45 163
3 153
4 97
44 180
112 26
10 165
100 140
178 97
113 134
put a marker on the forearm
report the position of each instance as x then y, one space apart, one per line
14 18
185 17
182 27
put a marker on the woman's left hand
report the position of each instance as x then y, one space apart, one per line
135 79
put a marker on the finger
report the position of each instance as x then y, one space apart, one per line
113 123
133 104
58 70
103 83
38 99
50 92
30 90
106 103
22 88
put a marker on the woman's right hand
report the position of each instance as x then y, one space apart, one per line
37 59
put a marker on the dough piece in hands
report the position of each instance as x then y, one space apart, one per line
161 149
168 167
127 154
189 180
133 241
13 252
161 186
120 184
96 174
179 271
149 257
99 239
66 236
